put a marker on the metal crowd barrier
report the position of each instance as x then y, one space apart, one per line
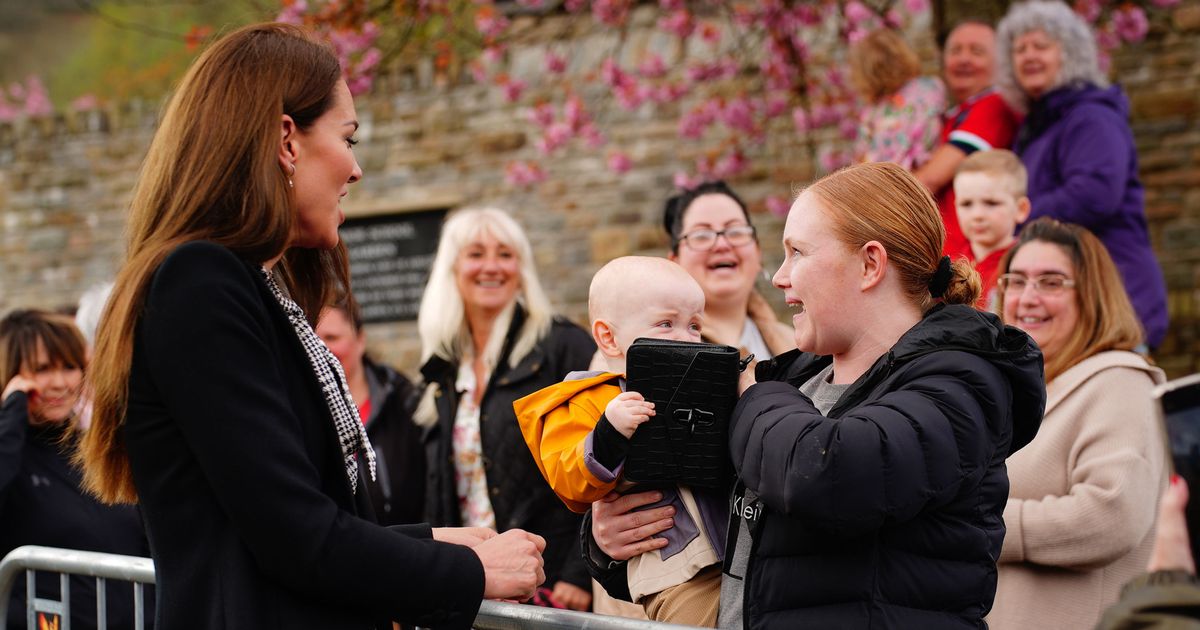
140 571
504 616
102 566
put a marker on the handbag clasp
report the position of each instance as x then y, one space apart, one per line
694 418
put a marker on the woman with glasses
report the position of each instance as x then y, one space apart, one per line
713 240
1082 497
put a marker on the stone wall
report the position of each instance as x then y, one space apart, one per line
64 183
1162 78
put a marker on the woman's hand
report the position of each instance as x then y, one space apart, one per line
622 533
512 564
1172 550
465 536
572 597
20 383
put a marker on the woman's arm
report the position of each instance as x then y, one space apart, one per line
1168 594
208 342
1115 482
885 460
938 171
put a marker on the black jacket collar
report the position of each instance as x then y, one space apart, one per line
943 327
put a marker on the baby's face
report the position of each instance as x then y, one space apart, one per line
667 312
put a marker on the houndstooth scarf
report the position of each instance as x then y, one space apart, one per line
351 435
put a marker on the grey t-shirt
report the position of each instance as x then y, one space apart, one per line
824 396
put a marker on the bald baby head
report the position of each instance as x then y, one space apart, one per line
641 296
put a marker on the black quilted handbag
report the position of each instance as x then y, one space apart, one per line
694 388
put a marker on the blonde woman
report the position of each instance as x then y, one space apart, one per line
489 337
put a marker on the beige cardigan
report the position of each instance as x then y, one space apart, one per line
1083 497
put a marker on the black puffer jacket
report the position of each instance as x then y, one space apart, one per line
887 513
520 496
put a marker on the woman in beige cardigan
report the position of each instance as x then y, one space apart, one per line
1083 495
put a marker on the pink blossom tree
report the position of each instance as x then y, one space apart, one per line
737 72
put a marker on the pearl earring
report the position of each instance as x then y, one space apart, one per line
291 175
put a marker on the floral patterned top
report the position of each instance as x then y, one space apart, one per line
470 480
904 127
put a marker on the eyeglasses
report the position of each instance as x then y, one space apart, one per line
702 240
1046 284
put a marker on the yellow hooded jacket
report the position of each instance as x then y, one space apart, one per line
555 422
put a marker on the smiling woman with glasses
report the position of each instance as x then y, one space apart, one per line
1081 508
1046 284
713 240
703 240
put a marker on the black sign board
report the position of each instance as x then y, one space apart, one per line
390 257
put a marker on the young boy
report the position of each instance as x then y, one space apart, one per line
989 196
579 430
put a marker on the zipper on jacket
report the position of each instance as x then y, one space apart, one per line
755 531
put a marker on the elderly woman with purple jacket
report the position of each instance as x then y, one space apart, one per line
1077 144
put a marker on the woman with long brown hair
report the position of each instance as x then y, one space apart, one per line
1083 496
216 406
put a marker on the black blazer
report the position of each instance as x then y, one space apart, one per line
249 513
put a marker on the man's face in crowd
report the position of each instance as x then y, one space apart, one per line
969 60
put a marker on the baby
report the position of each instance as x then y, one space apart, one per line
579 431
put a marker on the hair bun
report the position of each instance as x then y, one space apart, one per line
964 285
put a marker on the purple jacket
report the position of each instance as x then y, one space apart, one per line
1083 169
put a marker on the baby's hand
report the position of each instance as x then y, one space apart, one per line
627 411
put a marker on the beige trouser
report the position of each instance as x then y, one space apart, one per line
605 604
693 603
